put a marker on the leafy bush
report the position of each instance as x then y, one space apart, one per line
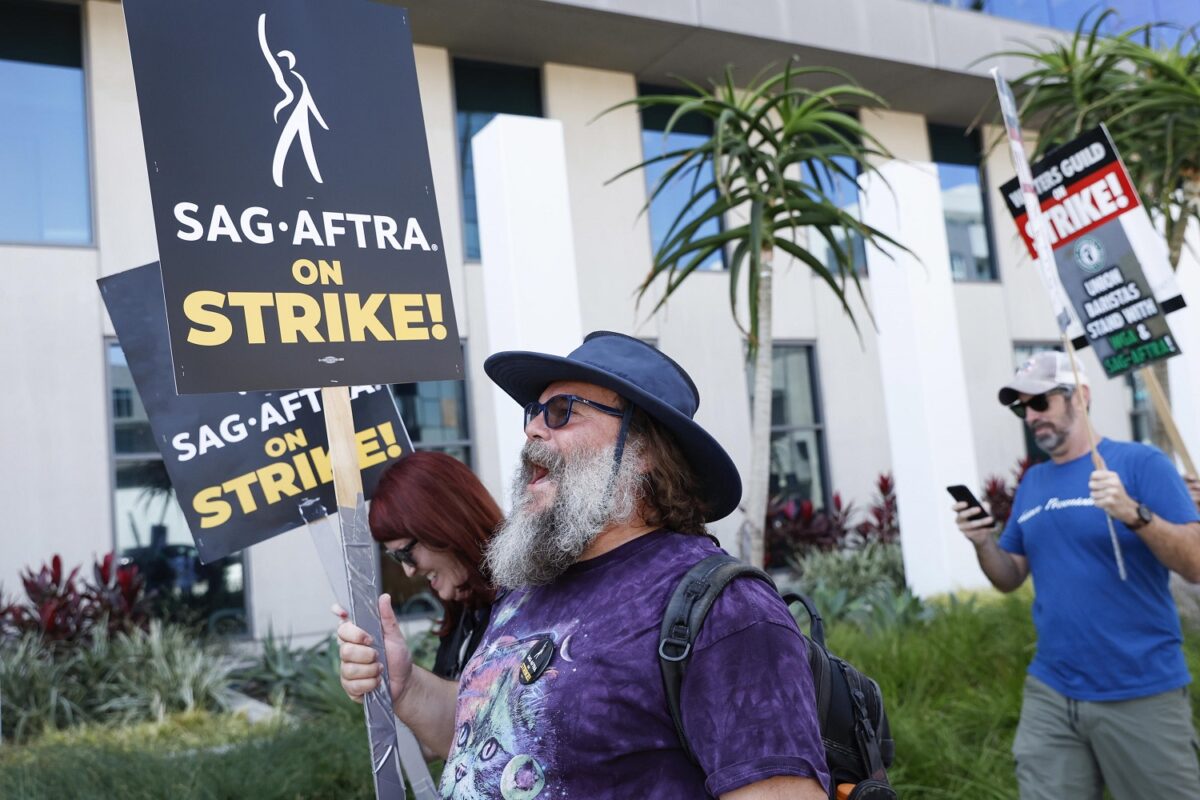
37 692
952 689
118 595
882 523
61 608
277 671
796 528
159 671
999 495
211 756
302 679
136 675
864 587
857 571
55 605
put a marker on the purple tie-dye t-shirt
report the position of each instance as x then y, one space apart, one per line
595 724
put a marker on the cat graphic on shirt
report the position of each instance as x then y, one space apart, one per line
498 724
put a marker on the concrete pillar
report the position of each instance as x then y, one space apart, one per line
924 385
530 286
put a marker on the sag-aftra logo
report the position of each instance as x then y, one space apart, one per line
296 111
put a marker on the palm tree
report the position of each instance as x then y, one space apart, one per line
1148 95
776 147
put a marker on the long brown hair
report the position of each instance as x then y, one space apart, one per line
672 498
435 499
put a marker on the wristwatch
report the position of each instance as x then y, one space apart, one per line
1144 516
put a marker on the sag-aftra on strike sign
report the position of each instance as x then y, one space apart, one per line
293 199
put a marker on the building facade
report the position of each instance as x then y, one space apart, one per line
914 393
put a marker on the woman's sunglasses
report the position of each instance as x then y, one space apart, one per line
403 555
556 411
1039 402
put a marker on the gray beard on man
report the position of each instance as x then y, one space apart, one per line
1050 437
533 547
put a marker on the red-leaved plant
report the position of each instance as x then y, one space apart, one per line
55 606
118 595
883 517
61 608
796 528
999 495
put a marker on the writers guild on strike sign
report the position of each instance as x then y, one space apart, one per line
1089 208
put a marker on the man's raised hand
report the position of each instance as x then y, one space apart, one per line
978 531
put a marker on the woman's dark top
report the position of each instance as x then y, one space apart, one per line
457 647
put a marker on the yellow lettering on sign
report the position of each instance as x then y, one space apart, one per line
361 318
252 304
299 313
196 309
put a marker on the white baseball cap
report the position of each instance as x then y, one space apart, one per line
1041 373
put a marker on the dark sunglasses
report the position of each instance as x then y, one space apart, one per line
403 555
1039 402
556 411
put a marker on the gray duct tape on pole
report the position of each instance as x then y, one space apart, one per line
392 744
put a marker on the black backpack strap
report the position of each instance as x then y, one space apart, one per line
816 627
818 659
864 730
686 610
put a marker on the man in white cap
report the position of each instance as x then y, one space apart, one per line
1106 699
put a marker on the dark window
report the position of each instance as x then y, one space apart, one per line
435 414
798 468
1141 414
122 403
481 91
964 202
151 530
44 184
689 131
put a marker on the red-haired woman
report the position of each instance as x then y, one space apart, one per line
435 518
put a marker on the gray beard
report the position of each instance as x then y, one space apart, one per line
533 547
1050 439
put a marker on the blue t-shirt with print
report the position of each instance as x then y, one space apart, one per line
1100 638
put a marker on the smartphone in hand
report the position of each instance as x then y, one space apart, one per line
963 495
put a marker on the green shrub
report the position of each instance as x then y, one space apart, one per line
302 679
132 676
197 755
858 570
952 689
278 670
161 670
230 760
862 585
37 693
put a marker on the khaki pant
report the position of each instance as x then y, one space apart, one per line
1140 749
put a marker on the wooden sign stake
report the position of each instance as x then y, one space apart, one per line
391 743
1163 408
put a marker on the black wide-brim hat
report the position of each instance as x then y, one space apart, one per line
643 376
